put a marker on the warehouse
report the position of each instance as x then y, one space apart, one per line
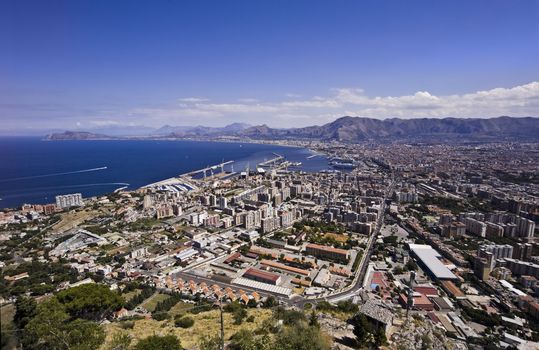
430 262
262 276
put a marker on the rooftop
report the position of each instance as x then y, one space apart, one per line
431 259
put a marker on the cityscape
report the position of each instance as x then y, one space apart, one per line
132 218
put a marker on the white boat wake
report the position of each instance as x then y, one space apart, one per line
54 174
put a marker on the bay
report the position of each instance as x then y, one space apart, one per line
35 171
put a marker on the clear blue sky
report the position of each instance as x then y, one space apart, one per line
67 64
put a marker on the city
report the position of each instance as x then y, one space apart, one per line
428 242
269 175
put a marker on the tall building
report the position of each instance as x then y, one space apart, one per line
475 227
523 251
69 200
493 252
525 227
147 202
223 202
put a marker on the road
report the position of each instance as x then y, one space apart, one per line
357 283
299 301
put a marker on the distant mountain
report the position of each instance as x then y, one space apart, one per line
356 129
123 130
77 135
194 131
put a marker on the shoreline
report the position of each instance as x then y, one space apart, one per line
141 138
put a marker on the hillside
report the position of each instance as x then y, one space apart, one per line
357 129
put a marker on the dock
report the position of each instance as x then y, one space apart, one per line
271 162
209 168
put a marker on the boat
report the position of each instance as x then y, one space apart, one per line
343 165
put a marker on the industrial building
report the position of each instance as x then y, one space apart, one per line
430 261
262 276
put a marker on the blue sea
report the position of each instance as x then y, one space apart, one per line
35 171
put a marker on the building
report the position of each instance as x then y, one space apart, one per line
49 209
519 268
523 251
475 227
497 251
164 212
494 230
429 259
378 314
483 267
186 254
223 202
69 200
325 252
454 229
525 227
262 276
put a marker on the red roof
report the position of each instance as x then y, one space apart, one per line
426 290
262 274
232 257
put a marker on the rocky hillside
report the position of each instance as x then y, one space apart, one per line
356 129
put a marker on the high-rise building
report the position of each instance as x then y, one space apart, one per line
493 252
523 251
223 203
69 200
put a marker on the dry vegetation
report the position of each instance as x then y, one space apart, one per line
206 324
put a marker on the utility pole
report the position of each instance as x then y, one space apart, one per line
410 301
222 325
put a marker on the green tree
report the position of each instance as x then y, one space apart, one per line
51 328
239 315
25 310
84 335
156 342
270 302
245 340
301 337
313 320
90 301
362 329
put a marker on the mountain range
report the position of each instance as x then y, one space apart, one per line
356 129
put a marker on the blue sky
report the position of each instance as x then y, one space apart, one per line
83 64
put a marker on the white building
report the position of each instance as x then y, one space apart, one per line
69 200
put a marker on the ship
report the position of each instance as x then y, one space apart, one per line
341 163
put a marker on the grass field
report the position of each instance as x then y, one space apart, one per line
150 303
73 219
180 308
206 324
338 237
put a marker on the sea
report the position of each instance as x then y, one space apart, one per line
34 171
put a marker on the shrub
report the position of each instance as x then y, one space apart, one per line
160 315
184 322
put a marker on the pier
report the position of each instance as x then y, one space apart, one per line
272 162
209 168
